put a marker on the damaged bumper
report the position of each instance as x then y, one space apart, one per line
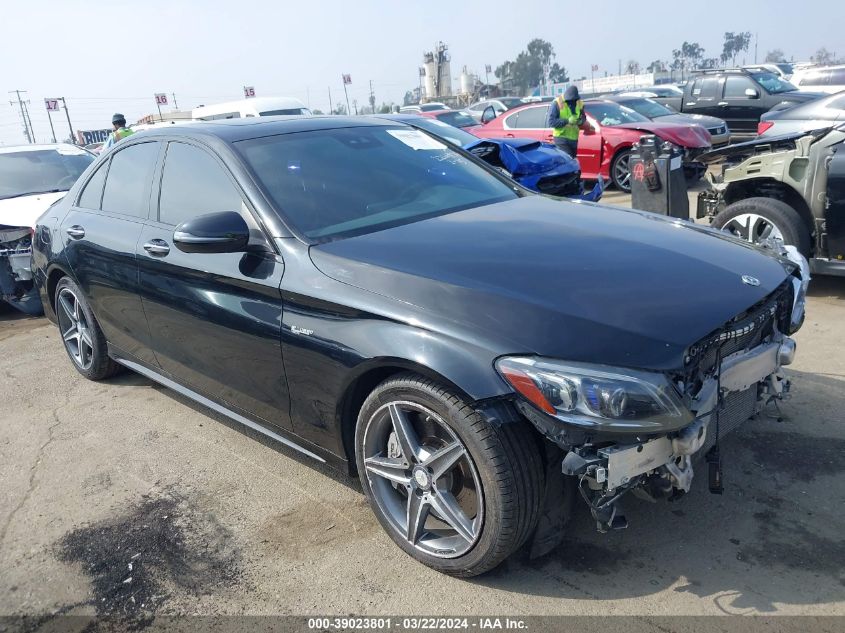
16 282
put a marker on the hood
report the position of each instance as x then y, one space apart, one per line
525 157
696 119
567 280
683 134
25 210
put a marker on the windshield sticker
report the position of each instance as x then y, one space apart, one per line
416 139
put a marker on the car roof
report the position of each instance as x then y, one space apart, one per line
233 130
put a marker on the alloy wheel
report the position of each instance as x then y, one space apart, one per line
76 331
622 172
753 228
423 480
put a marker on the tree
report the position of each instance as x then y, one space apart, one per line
657 66
318 111
410 96
822 56
527 70
557 74
775 55
632 67
385 108
339 109
687 57
709 62
734 44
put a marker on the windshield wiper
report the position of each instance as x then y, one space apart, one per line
31 193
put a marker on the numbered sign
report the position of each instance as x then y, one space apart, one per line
52 105
249 91
161 98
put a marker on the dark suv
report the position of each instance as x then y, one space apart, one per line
740 96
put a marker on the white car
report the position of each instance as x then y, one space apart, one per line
829 79
32 178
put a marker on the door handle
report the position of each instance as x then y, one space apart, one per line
722 103
509 135
75 231
157 247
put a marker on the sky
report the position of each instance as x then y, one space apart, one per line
107 57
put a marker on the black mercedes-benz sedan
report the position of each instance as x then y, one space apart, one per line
481 356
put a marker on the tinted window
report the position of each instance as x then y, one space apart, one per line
41 171
93 192
458 119
532 118
193 183
126 185
735 87
837 77
512 121
705 87
336 183
285 112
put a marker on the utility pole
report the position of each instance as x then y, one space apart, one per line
50 118
355 105
175 105
29 119
331 107
29 138
67 114
372 98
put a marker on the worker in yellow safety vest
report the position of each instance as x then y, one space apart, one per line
118 122
566 116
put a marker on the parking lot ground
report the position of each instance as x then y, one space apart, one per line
121 497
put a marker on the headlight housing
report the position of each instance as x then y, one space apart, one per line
597 397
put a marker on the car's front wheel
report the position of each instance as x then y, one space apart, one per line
620 171
455 492
82 337
760 219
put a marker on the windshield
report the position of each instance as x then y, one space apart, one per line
647 107
458 119
511 102
772 82
610 114
445 131
41 171
331 184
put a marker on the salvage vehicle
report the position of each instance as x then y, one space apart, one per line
605 143
788 188
499 105
536 166
813 115
382 301
720 134
740 96
32 177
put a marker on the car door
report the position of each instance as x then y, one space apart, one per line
101 232
590 147
705 96
215 319
742 110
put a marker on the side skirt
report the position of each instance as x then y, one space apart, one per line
193 395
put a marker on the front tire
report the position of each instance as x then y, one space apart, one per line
82 337
455 492
620 171
758 219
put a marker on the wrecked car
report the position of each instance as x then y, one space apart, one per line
371 297
788 188
537 166
32 177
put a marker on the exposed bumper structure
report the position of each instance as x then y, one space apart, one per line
16 284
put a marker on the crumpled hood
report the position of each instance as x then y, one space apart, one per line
696 119
25 210
683 134
561 279
522 157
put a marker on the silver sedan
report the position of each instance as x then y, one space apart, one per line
813 115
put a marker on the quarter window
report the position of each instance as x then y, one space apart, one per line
93 192
129 175
532 118
193 183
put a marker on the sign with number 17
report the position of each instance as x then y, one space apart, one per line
52 105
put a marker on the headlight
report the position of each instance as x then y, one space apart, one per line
595 396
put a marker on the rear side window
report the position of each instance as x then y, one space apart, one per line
193 183
705 87
129 176
93 192
837 77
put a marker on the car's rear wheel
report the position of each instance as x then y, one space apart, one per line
453 491
82 337
620 170
758 220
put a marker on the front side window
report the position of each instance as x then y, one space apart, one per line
129 175
736 85
28 172
193 183
330 184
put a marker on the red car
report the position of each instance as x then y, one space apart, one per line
455 118
604 146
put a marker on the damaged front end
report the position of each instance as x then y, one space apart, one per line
16 283
644 432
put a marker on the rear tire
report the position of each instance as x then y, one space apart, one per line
757 219
498 478
82 337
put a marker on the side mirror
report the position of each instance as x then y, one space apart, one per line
752 93
225 232
488 115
